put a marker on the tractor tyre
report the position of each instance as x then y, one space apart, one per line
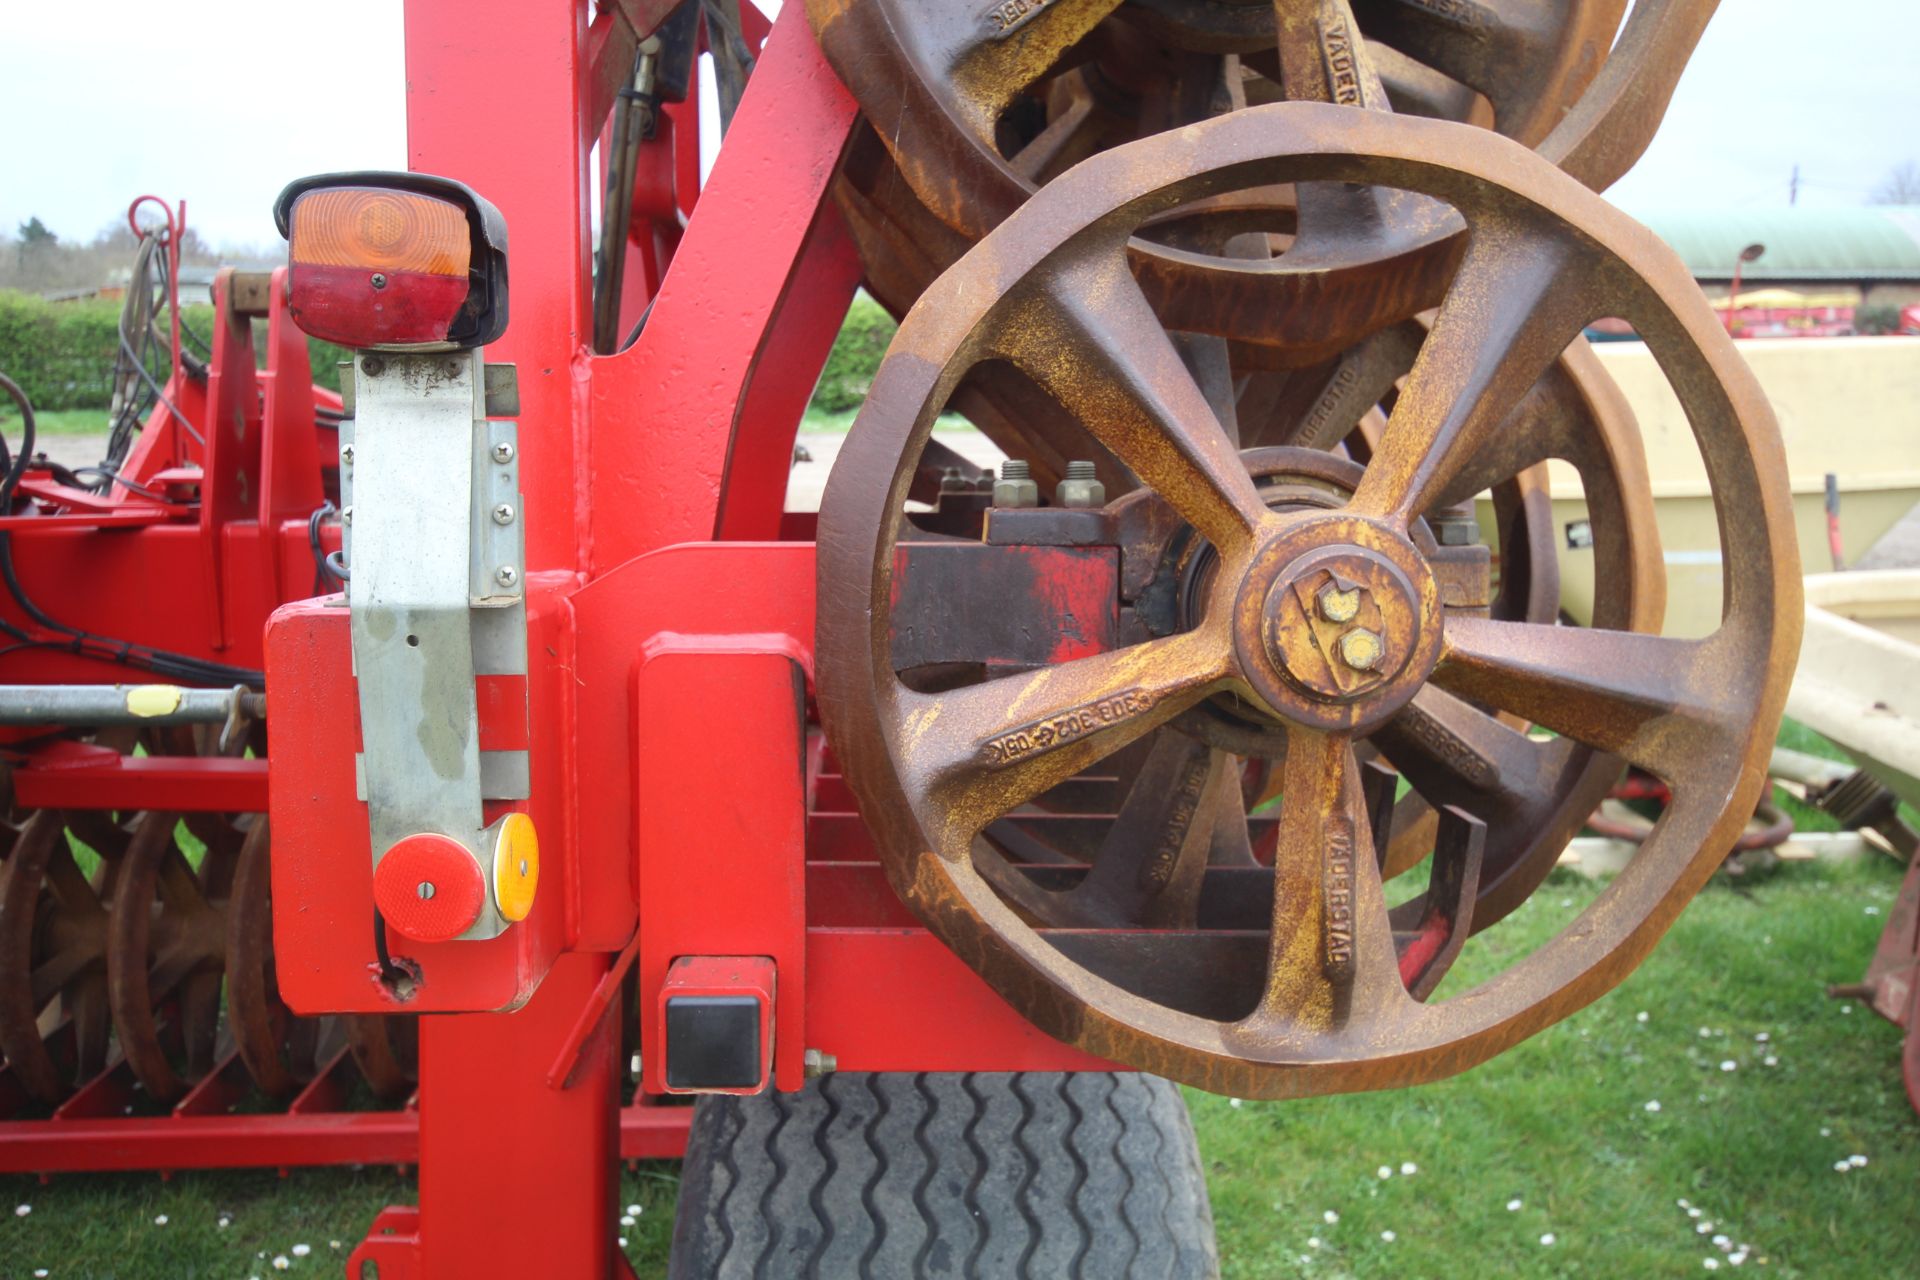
1040 1174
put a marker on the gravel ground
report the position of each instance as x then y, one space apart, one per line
809 478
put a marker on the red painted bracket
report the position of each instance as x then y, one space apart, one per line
700 976
721 835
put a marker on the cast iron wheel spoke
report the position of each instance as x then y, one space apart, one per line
1649 699
1091 341
1331 961
1346 389
1515 304
1062 136
51 975
1231 843
1609 128
1531 434
996 65
1305 32
1150 865
1500 49
170 967
1451 752
986 749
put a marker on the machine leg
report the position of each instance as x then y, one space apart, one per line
516 1178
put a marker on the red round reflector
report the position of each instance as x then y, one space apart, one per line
429 888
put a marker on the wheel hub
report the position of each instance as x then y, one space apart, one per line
1337 621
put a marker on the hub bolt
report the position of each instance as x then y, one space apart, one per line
1339 601
1015 487
1361 649
1081 488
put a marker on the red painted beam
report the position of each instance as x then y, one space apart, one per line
209 1142
122 1143
181 784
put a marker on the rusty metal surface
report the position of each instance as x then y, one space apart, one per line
160 962
975 110
1326 997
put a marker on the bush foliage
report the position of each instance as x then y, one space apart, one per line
855 357
61 353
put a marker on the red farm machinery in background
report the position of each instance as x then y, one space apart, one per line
663 519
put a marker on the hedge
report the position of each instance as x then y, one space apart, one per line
61 353
855 357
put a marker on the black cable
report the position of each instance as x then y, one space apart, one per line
639 324
85 643
111 479
159 392
322 562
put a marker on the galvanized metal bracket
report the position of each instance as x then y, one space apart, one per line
435 546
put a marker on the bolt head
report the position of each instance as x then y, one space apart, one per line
425 889
378 280
346 514
1338 603
503 453
1361 649
506 575
503 514
346 454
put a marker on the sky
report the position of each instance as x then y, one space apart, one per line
221 102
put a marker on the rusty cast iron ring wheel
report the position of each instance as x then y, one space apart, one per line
936 81
1328 1009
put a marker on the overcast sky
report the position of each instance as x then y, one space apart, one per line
223 101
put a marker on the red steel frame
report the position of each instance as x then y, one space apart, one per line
667 716
671 642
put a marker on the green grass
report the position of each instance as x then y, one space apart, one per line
1559 1122
57 422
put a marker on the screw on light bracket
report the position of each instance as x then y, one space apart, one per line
436 590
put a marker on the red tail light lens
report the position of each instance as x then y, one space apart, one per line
376 267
